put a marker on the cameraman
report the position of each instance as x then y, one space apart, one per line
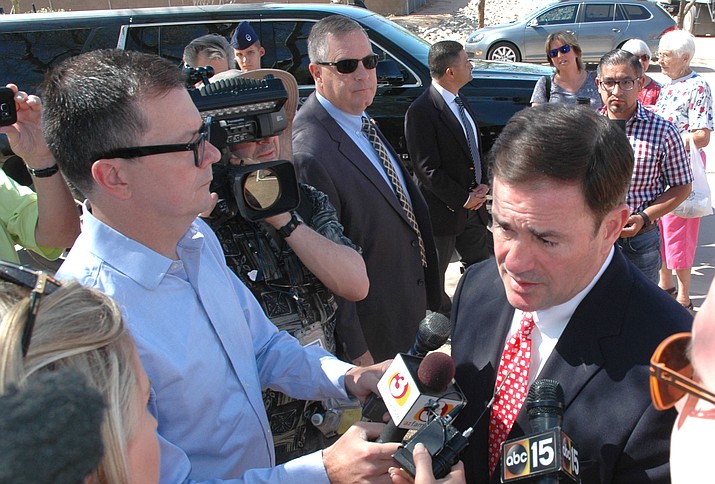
144 163
293 275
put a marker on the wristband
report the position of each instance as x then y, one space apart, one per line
44 172
645 217
293 223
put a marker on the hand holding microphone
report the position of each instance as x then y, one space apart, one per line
432 333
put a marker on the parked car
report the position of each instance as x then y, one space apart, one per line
599 25
31 43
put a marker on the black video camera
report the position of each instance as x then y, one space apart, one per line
245 110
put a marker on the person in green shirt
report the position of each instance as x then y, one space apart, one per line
45 221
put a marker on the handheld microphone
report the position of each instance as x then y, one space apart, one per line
548 454
412 388
432 333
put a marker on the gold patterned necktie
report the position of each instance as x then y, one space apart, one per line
515 362
376 143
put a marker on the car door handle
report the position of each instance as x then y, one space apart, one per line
616 30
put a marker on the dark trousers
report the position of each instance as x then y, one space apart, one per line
475 243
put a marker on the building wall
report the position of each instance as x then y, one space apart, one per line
383 7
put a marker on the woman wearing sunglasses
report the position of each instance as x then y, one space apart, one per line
46 326
683 376
571 83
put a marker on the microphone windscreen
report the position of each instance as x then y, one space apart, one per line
433 331
545 396
436 371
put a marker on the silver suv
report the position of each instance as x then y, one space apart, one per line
599 25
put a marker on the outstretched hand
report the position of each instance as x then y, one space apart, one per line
354 459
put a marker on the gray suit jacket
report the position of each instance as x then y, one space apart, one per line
400 288
601 360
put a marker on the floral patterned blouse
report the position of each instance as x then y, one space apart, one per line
687 102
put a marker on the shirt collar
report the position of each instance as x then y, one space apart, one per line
446 95
553 321
351 121
130 257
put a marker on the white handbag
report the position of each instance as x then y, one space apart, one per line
699 203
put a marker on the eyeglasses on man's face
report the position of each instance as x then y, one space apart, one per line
198 147
39 282
564 49
348 66
625 84
671 373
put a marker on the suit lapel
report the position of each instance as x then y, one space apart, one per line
450 120
577 356
354 155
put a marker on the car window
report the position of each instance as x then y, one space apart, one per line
598 12
286 45
169 40
620 14
636 12
26 56
565 14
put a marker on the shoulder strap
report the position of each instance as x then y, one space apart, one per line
548 88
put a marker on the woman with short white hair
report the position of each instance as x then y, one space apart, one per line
686 101
651 88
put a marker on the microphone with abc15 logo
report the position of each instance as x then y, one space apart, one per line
548 454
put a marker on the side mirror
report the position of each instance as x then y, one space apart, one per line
534 22
389 72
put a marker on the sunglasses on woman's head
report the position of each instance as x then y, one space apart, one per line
564 49
39 282
348 66
671 373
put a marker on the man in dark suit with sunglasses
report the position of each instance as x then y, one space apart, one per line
443 141
381 209
562 302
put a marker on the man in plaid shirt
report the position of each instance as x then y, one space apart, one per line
662 177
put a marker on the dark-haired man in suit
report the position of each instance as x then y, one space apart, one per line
443 141
340 152
562 302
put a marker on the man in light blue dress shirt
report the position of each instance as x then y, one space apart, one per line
126 133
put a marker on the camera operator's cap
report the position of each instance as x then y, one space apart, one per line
244 36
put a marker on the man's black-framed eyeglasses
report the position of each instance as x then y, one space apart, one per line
39 282
348 66
198 146
625 84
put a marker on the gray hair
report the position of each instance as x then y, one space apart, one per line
336 25
638 48
678 43
215 46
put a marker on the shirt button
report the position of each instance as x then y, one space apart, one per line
414 243
420 282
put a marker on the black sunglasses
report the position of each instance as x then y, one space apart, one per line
39 282
564 49
197 147
348 66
